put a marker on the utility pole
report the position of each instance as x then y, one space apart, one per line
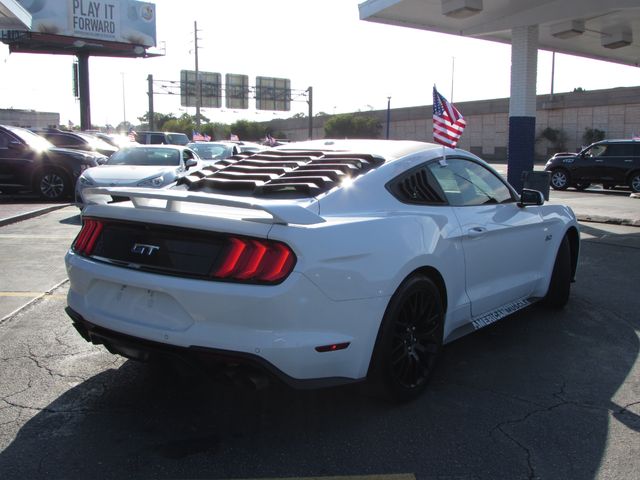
553 71
310 102
198 82
150 93
453 72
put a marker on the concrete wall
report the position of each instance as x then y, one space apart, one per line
29 118
615 111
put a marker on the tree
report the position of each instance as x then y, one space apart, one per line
350 125
556 137
246 130
216 130
159 119
592 135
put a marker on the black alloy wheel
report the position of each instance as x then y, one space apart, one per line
560 179
52 185
410 339
634 182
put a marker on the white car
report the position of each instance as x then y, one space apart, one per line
153 166
322 263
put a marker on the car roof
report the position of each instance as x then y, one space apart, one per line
619 140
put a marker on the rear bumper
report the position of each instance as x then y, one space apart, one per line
277 327
210 360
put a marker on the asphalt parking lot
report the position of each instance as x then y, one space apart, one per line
542 394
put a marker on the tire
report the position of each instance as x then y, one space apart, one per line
560 285
634 182
582 186
409 340
560 179
52 184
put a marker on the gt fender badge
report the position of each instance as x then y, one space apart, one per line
144 249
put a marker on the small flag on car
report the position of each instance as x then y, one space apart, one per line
448 122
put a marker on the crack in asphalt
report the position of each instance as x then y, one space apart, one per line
562 401
625 409
501 428
498 393
34 358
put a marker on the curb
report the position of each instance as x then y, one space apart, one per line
31 214
610 220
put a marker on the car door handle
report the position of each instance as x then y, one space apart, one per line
599 161
628 161
476 231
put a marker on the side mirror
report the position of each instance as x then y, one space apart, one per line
530 197
191 162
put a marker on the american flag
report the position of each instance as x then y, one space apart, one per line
133 136
197 136
448 122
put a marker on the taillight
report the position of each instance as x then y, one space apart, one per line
89 234
254 260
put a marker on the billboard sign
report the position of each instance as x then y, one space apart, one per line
236 91
209 85
273 93
126 21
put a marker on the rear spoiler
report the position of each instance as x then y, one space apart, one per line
174 200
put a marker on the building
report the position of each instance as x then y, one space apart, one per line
28 118
615 111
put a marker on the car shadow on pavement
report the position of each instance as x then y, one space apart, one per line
535 395
73 220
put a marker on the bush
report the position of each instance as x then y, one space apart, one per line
352 126
556 137
592 135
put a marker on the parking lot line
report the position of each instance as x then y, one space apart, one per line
32 294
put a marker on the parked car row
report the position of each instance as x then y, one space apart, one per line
29 162
54 163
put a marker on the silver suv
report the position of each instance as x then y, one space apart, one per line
161 138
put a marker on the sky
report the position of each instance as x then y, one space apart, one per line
351 64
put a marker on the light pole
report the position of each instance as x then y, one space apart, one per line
388 115
124 103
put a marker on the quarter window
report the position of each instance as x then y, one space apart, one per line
466 183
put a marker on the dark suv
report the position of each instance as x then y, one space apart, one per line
609 162
30 162
78 141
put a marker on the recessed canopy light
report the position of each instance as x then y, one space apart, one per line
461 8
569 29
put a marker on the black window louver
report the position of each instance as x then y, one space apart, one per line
415 188
277 172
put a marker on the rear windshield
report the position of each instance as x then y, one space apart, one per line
146 156
177 138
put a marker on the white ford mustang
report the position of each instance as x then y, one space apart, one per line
322 262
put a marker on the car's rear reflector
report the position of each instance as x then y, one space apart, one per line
333 347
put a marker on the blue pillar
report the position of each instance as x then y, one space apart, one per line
522 104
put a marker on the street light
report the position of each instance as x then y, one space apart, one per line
388 115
